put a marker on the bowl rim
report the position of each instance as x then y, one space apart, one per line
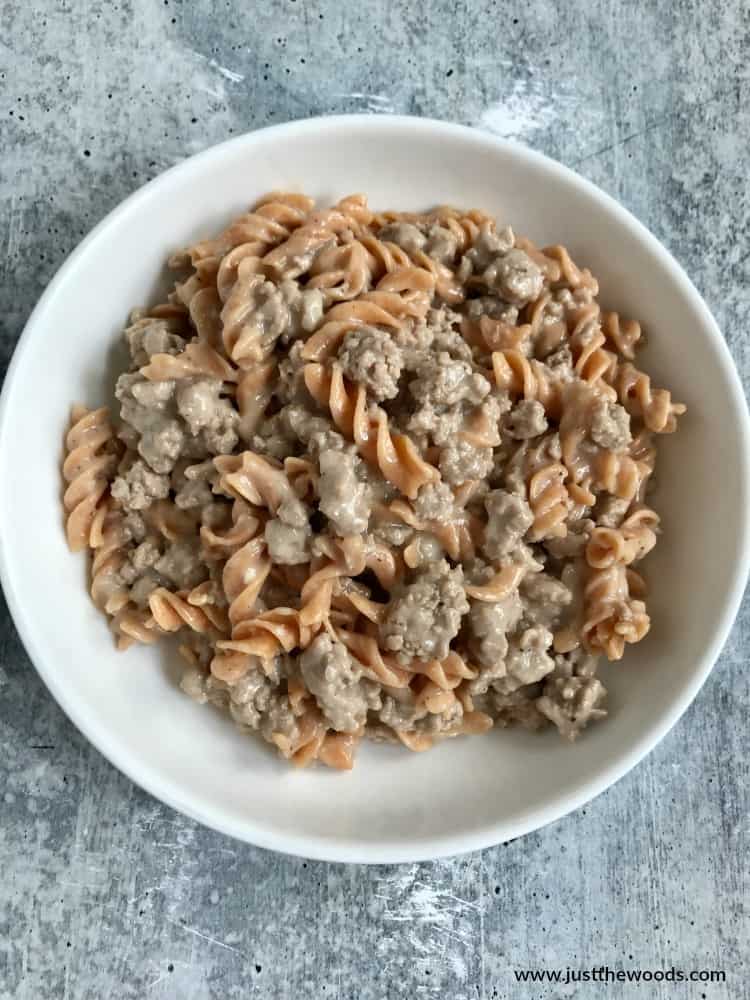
348 850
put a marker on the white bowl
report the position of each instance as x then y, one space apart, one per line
395 806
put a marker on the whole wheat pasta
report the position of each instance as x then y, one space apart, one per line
383 474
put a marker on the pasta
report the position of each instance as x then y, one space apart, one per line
383 475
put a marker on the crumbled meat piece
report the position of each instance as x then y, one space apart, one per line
526 420
490 305
289 534
437 424
509 517
267 312
138 487
424 615
306 307
570 703
404 235
142 557
527 661
446 335
401 714
336 682
441 244
461 461
610 425
369 357
393 532
516 708
515 277
148 407
182 564
442 381
200 404
425 549
343 498
291 385
561 362
134 526
489 624
148 336
545 599
193 485
414 341
488 245
435 502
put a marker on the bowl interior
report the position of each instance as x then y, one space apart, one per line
394 806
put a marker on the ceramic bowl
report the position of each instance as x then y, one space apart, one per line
395 806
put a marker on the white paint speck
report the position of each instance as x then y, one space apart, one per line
525 109
9 798
228 74
214 897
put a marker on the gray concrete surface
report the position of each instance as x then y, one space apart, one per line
106 893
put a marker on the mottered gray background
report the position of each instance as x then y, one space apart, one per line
106 893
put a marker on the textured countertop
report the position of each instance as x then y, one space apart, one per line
106 893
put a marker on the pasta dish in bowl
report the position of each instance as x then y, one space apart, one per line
383 468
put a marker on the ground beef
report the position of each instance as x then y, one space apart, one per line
442 381
610 426
461 461
208 414
526 420
509 517
335 680
182 564
489 623
148 408
369 357
495 308
515 277
306 307
570 703
444 325
148 336
404 235
255 702
545 599
343 498
435 502
439 425
425 614
288 535
138 487
527 661
192 485
488 245
441 244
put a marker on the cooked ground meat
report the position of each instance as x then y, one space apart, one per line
509 517
441 381
425 614
545 599
515 277
343 498
148 336
288 535
343 695
571 703
610 426
183 564
488 245
138 487
461 461
527 661
205 412
435 502
526 420
490 622
403 234
441 244
369 356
